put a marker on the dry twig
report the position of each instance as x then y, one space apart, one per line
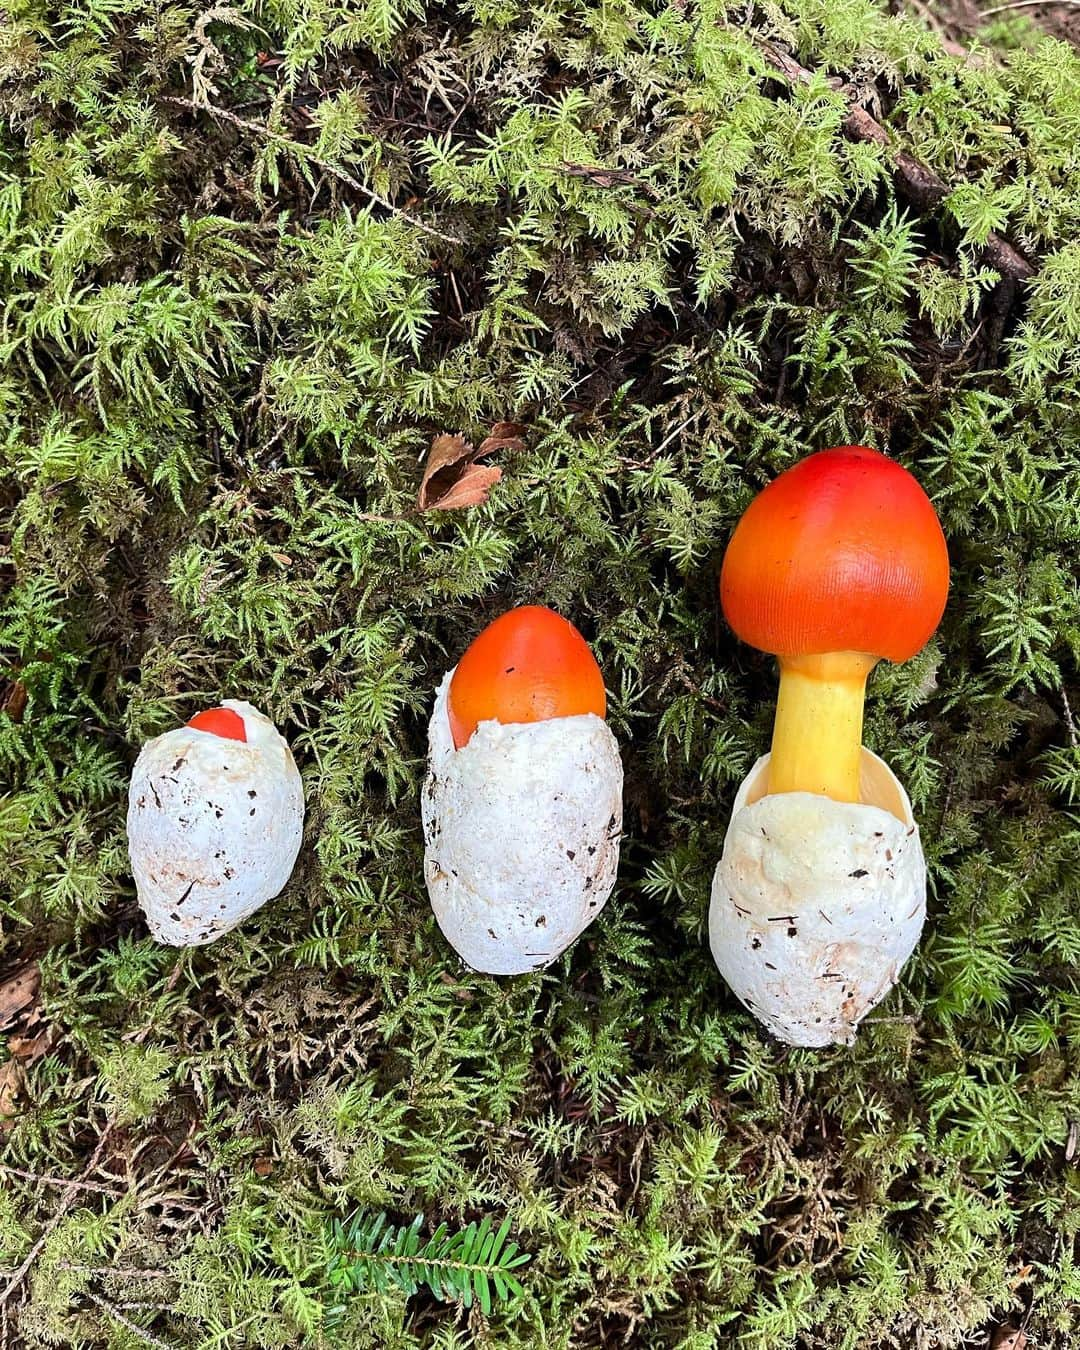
1030 4
148 1338
63 1181
66 1201
224 115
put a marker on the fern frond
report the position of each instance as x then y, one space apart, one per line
475 1263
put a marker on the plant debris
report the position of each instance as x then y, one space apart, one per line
453 477
12 1083
19 994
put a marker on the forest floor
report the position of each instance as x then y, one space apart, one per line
254 258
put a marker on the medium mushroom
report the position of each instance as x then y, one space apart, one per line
215 820
522 805
819 897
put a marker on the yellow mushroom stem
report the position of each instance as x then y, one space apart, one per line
817 735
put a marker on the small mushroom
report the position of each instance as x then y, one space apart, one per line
837 564
522 807
215 820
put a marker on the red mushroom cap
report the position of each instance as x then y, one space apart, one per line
842 552
220 722
529 665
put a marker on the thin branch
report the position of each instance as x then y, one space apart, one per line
66 1201
304 152
1069 721
1030 4
954 48
147 1337
600 177
928 17
918 182
677 432
63 1181
120 1272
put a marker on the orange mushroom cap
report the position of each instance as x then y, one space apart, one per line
842 552
220 722
529 665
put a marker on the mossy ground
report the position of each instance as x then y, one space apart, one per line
222 354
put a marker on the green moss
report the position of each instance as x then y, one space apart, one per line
220 360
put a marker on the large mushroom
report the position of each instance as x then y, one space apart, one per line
215 820
522 806
819 897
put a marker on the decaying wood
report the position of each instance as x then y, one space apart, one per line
918 182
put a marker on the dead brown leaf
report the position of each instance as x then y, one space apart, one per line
502 436
1008 1337
20 1010
13 699
12 1082
471 489
26 1049
453 478
18 993
445 452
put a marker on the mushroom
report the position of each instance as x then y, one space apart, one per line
215 820
522 804
837 564
819 897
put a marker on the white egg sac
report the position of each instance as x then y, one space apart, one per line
521 833
214 827
817 904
